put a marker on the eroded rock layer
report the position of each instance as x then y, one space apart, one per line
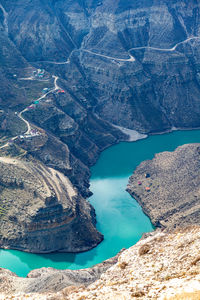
40 210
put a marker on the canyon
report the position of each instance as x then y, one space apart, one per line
106 66
75 78
163 265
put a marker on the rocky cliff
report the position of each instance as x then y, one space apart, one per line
167 187
135 63
164 265
41 211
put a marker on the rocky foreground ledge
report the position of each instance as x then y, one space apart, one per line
168 187
164 265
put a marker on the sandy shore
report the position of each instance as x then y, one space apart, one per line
133 134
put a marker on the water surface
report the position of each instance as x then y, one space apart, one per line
119 217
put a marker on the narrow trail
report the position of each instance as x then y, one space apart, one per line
33 79
56 87
54 62
25 121
5 17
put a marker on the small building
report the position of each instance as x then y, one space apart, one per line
61 91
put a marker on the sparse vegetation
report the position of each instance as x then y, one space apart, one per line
122 265
144 249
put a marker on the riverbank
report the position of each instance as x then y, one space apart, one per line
117 212
153 268
169 192
132 134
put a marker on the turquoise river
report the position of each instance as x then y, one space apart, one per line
119 217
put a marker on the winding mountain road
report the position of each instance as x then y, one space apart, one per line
131 59
56 87
166 49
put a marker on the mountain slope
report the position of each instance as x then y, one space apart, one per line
164 265
169 194
72 69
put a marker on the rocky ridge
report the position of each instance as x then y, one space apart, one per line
167 187
164 265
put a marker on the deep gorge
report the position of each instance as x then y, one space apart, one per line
117 212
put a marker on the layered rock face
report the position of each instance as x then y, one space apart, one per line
40 211
167 187
164 265
131 64
135 63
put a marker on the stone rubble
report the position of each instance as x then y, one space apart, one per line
164 265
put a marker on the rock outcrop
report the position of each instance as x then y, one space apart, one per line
167 187
164 265
44 280
41 211
131 64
